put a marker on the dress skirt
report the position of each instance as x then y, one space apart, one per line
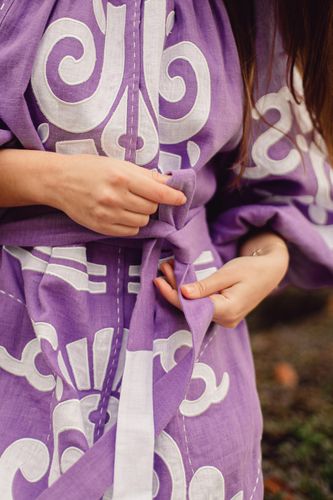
65 314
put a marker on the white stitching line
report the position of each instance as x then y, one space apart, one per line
133 85
186 443
13 297
2 6
106 391
257 480
204 347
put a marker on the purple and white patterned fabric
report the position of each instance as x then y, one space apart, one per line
106 390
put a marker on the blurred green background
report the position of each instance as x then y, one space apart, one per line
292 341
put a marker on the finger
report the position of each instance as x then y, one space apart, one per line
170 260
169 293
140 205
218 281
147 187
169 274
156 175
133 219
118 230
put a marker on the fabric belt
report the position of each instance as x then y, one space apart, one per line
185 230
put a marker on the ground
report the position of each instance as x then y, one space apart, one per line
292 340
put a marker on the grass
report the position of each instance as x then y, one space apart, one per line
296 328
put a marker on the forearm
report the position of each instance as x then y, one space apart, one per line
28 177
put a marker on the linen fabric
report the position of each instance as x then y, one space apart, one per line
107 390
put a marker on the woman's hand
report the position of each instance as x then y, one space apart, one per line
240 285
111 197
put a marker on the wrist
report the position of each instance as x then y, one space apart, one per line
53 181
270 246
263 244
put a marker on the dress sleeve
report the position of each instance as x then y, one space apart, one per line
287 186
298 207
7 138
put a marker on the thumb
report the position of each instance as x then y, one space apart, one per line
214 283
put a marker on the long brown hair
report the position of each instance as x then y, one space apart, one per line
306 27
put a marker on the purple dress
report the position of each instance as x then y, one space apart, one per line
106 390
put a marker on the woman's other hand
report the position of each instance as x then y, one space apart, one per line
240 285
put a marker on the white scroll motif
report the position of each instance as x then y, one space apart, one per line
26 366
43 131
29 456
173 89
212 394
324 176
167 348
207 482
167 449
68 458
284 102
87 114
66 416
193 151
265 165
320 205
156 484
